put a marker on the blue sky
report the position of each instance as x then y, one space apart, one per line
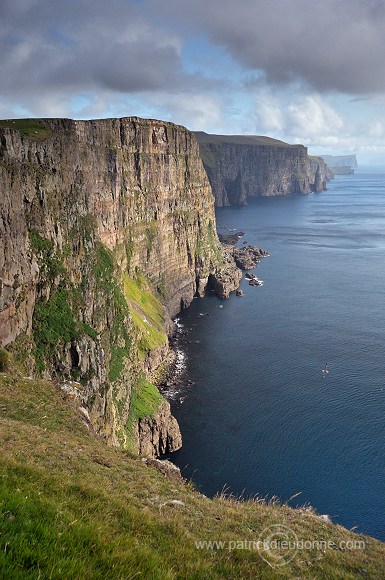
294 70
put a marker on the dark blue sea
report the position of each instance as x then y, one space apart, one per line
259 418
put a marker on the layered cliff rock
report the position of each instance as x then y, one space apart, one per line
239 167
107 229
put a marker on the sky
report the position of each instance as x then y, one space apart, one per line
296 70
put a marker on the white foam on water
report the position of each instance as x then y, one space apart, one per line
178 324
180 362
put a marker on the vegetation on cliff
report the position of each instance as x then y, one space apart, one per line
35 129
72 507
107 230
147 312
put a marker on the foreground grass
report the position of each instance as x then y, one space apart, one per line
71 507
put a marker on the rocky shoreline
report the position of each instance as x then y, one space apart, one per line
247 256
174 383
174 379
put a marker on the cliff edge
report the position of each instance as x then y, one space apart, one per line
107 230
243 166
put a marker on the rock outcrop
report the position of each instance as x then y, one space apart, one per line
158 434
226 275
247 257
240 167
107 229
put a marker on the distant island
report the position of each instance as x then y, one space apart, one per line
341 164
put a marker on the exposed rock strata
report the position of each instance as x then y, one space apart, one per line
159 434
240 167
107 229
227 276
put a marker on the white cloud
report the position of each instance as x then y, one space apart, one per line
376 129
312 117
299 118
269 117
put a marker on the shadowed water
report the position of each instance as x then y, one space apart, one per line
260 419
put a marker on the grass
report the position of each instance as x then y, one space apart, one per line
145 401
53 324
119 333
34 129
205 138
70 507
4 360
50 262
147 313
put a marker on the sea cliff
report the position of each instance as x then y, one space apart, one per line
107 230
341 164
240 167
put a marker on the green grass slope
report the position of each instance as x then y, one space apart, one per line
70 507
34 129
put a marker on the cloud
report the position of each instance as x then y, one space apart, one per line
269 117
197 112
131 46
376 129
75 46
329 45
275 67
312 117
307 119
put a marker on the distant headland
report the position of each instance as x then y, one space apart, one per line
341 164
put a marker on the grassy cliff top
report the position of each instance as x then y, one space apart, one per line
204 138
35 129
72 507
38 128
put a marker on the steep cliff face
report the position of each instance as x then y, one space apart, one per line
239 167
321 173
107 229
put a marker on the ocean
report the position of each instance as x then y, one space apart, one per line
257 417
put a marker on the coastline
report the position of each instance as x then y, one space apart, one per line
175 383
173 376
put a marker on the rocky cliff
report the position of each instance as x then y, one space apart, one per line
239 167
107 229
341 164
